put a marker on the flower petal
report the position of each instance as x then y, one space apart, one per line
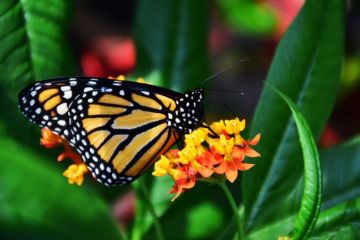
75 173
49 139
245 166
231 175
255 140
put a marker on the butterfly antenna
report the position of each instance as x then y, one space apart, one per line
209 128
228 108
214 135
226 90
222 71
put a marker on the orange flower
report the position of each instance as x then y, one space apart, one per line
208 160
205 155
185 179
69 153
49 139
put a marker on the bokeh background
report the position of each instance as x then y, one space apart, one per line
101 37
241 34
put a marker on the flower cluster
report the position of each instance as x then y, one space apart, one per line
75 172
209 152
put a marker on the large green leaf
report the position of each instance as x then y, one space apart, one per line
171 42
33 41
33 47
200 213
36 202
339 222
306 67
341 167
311 199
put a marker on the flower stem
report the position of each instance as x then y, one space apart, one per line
235 209
150 207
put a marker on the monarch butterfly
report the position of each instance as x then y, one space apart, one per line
118 127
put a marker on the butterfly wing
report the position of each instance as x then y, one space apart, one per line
47 103
120 135
119 128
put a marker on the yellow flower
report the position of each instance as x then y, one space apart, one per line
140 80
218 127
196 137
188 154
161 167
234 126
224 145
120 77
75 173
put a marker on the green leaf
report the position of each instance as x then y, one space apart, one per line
171 41
311 199
199 213
342 167
155 191
33 47
36 202
340 216
33 41
306 67
340 222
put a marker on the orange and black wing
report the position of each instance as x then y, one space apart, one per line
47 103
120 135
118 127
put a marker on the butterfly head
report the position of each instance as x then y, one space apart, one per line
189 111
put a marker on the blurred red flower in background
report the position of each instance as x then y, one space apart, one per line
108 56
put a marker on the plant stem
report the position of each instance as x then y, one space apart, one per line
123 233
234 208
151 209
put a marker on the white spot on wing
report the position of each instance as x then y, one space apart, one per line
67 95
65 88
62 108
88 89
61 122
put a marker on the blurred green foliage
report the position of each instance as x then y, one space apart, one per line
248 17
171 40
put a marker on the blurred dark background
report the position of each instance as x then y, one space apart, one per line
101 39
